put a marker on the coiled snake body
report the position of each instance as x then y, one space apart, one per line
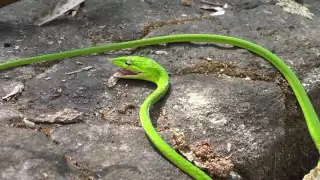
146 69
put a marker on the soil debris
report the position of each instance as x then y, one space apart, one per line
186 2
124 109
203 155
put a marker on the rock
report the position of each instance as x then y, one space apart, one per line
29 124
220 110
65 116
115 151
30 155
9 115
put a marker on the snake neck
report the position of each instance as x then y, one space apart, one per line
161 78
156 95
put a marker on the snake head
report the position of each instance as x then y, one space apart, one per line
137 67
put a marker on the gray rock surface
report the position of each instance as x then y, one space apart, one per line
30 155
225 96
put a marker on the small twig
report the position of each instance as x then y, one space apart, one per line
79 70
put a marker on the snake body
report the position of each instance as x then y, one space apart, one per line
151 71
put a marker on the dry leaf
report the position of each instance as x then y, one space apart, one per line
16 90
60 8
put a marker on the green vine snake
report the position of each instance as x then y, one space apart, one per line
146 69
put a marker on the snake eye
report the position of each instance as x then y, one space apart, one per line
128 62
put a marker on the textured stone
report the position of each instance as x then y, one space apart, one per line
30 155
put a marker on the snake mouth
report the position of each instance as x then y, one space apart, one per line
125 72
